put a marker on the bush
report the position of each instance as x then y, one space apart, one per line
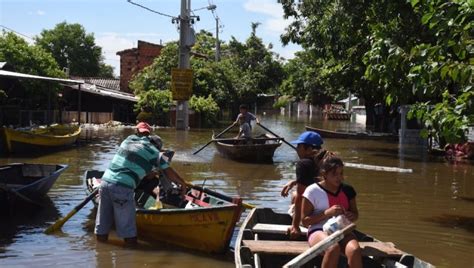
153 106
207 109
282 101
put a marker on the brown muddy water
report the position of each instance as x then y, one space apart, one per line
429 213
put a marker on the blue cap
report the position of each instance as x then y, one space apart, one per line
309 137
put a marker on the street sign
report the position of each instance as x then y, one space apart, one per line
181 83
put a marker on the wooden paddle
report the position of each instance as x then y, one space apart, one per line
59 223
217 136
291 145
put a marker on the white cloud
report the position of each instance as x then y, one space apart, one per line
274 23
111 43
40 12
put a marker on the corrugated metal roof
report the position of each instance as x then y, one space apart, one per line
37 77
106 92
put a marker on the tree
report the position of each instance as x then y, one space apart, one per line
445 67
334 34
30 59
75 49
244 71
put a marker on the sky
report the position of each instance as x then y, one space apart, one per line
118 25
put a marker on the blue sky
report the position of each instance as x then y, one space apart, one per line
118 25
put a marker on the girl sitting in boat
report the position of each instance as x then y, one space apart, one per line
328 198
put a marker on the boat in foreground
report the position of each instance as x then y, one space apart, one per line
204 221
255 150
263 242
51 137
353 135
26 182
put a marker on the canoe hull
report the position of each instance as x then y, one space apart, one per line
22 183
208 229
353 135
260 151
244 257
203 229
49 138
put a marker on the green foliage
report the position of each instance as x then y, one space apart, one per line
334 36
206 107
30 59
397 52
445 67
448 120
72 47
105 71
158 75
282 101
245 70
156 102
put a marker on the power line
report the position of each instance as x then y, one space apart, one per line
18 33
151 10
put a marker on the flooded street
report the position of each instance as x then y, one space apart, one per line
428 213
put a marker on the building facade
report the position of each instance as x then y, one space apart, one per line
134 60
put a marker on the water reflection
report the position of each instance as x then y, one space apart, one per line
427 213
23 219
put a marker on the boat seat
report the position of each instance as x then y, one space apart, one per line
376 249
261 228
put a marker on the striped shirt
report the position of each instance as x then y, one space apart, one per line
135 158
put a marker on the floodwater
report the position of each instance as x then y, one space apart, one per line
428 213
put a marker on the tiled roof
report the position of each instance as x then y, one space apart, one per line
110 83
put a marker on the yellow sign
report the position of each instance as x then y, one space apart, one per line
181 83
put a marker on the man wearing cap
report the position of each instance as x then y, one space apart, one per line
307 145
137 158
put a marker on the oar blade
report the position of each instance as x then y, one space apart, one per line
59 223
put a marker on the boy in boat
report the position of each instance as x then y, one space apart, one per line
245 132
329 198
135 160
308 145
248 117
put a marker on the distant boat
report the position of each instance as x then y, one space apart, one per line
263 242
338 115
51 137
338 134
206 222
256 150
27 182
337 112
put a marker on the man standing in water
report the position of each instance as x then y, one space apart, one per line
135 160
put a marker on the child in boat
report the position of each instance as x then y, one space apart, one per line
248 117
325 199
307 145
244 130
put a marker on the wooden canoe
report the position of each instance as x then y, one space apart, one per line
353 135
262 242
21 182
205 221
338 115
256 150
28 140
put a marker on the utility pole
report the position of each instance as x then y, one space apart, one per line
182 111
218 44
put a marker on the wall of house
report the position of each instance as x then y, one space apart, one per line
134 60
